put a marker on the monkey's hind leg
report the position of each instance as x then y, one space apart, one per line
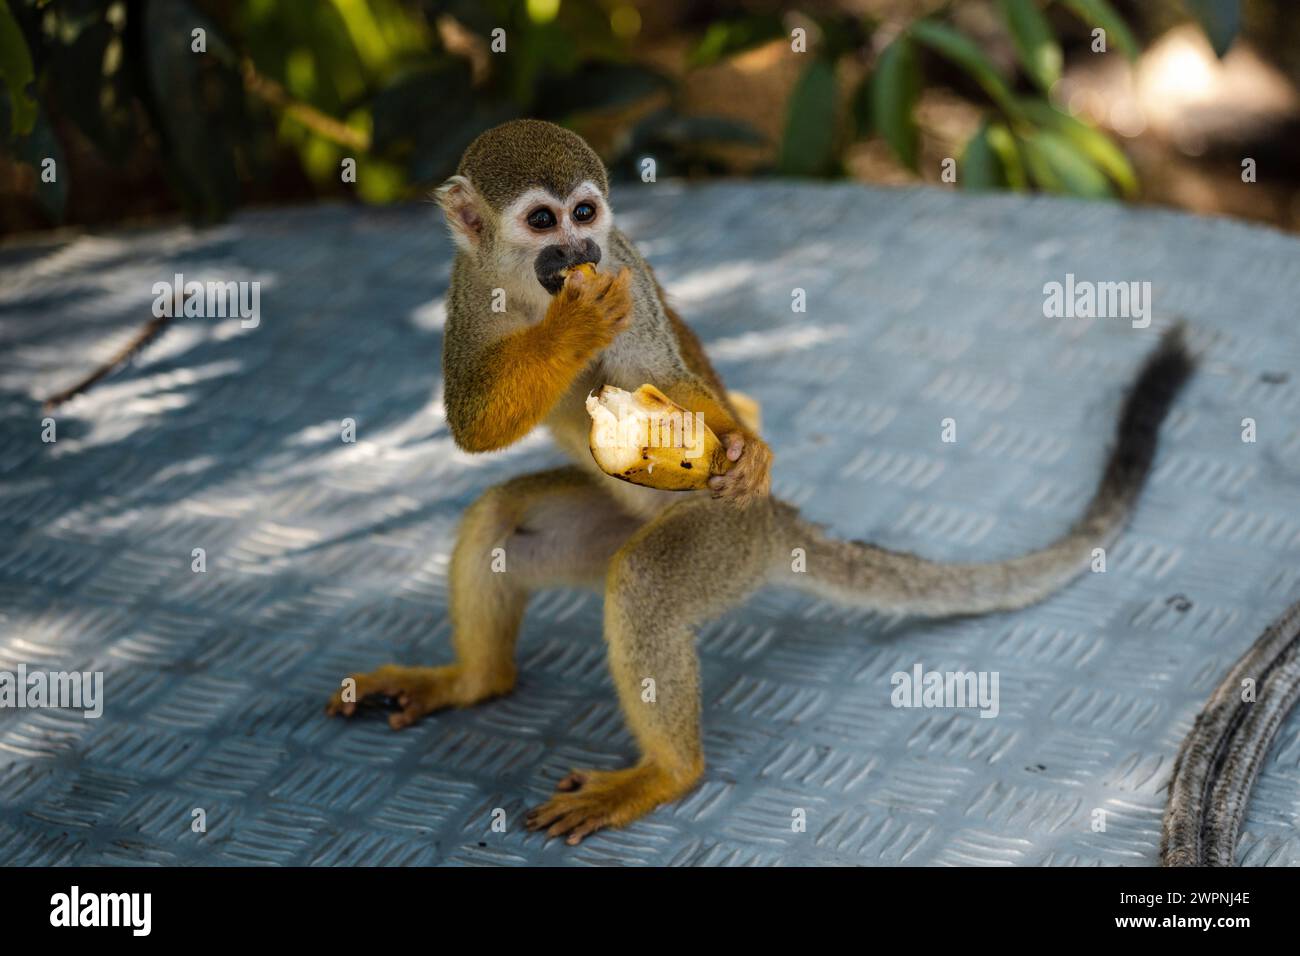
552 528
690 564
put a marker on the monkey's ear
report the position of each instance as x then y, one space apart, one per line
464 209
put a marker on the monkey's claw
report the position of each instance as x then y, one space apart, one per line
751 475
417 691
589 800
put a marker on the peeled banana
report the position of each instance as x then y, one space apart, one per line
646 438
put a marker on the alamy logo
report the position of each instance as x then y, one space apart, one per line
937 689
1098 300
208 300
73 690
103 909
632 428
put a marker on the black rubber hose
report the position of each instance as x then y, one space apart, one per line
1219 760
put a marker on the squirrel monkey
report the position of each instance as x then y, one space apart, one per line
529 204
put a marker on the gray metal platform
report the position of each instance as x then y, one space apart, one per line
325 557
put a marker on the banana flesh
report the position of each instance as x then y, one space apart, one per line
646 438
587 268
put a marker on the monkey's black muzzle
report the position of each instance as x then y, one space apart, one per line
551 260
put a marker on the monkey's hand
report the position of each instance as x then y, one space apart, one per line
591 308
750 477
499 390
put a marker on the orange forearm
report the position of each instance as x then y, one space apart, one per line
522 376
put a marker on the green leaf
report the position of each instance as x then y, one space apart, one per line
1093 143
306 48
1003 142
680 144
597 85
668 126
1057 166
808 146
16 71
434 159
981 167
1221 20
87 70
963 52
727 37
417 106
424 118
894 89
39 145
840 34
1035 44
197 104
1099 13
860 111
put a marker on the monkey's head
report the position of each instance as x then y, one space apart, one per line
529 196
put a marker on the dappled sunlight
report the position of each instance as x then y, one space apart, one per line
431 316
137 404
421 438
699 286
775 342
1180 75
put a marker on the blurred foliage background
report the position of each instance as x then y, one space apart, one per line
159 107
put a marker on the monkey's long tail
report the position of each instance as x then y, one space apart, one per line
855 573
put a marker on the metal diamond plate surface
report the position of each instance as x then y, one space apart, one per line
325 557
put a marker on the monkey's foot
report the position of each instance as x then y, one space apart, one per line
417 690
587 800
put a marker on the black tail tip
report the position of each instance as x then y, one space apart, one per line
1168 368
1163 376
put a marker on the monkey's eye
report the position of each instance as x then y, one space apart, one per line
541 218
584 212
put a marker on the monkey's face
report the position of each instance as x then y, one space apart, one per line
550 233
528 202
